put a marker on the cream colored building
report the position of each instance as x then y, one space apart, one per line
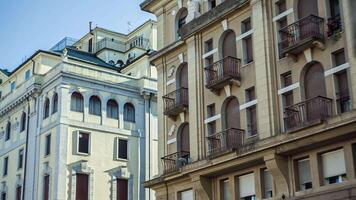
256 99
79 121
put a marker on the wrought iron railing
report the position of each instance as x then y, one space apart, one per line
310 27
222 70
308 112
174 161
176 101
334 25
231 139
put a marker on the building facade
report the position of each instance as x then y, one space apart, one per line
79 121
256 99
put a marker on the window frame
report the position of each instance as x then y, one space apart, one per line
78 145
126 115
94 103
55 103
8 131
46 108
118 149
21 156
110 114
5 169
76 103
48 141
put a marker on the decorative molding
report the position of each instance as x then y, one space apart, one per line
246 34
308 55
213 118
172 130
171 81
248 104
181 58
283 14
224 24
171 141
171 71
227 89
212 52
289 88
336 69
180 4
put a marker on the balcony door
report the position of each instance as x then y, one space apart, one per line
182 76
183 144
232 121
314 85
305 9
229 44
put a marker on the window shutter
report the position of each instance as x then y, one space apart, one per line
247 185
267 178
304 171
186 195
333 163
226 189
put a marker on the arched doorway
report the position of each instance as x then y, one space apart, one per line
231 113
183 141
182 76
228 44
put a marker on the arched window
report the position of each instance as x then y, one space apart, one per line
314 81
181 19
112 109
183 139
94 105
129 113
228 44
231 113
8 131
23 122
46 108
182 76
77 102
54 103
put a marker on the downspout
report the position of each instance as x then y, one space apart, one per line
149 142
167 196
25 157
33 67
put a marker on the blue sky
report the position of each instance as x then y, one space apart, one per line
29 25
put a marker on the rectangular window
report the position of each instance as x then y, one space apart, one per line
20 161
225 189
18 192
334 169
247 187
122 189
250 94
90 45
246 25
48 145
83 143
339 57
210 113
5 166
342 92
283 40
251 120
211 4
186 195
12 86
3 196
286 79
122 149
209 61
288 99
27 75
82 186
267 184
247 49
45 187
304 175
281 6
208 45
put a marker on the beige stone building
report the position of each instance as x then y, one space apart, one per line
256 99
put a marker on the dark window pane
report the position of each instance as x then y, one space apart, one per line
129 113
8 131
77 104
250 94
246 25
281 6
23 122
339 57
5 166
94 106
46 187
82 187
112 110
18 192
46 109
55 103
48 145
122 189
20 161
3 196
122 149
83 143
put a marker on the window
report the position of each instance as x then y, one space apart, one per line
342 92
211 4
46 108
281 6
246 25
247 187
334 169
12 86
23 122
95 106
286 79
122 149
129 113
247 49
8 131
82 186
18 192
225 189
281 23
48 145
27 75
182 17
250 94
3 196
122 189
46 187
208 45
90 45
77 102
304 175
251 120
54 103
211 125
338 57
185 195
20 161
288 99
267 184
83 143
5 166
112 109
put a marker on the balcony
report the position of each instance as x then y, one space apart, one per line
176 102
108 43
334 25
222 72
173 162
307 113
301 35
229 140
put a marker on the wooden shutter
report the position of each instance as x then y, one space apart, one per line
121 189
46 187
232 114
229 45
82 187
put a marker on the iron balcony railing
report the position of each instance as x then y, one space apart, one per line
222 71
299 33
334 25
231 139
176 101
173 162
306 113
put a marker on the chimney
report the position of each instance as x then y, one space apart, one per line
90 28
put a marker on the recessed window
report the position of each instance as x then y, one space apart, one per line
247 49
3 196
250 94
20 159
246 185
334 169
211 4
267 184
246 25
45 193
338 57
281 6
18 192
23 122
210 113
208 45
27 75
122 149
94 106
48 145
77 102
83 143
251 117
5 166
8 131
46 108
304 175
12 86
54 103
122 189
283 39
186 195
129 113
225 190
286 79
112 109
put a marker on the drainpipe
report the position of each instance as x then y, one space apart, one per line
149 142
167 196
25 157
33 67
